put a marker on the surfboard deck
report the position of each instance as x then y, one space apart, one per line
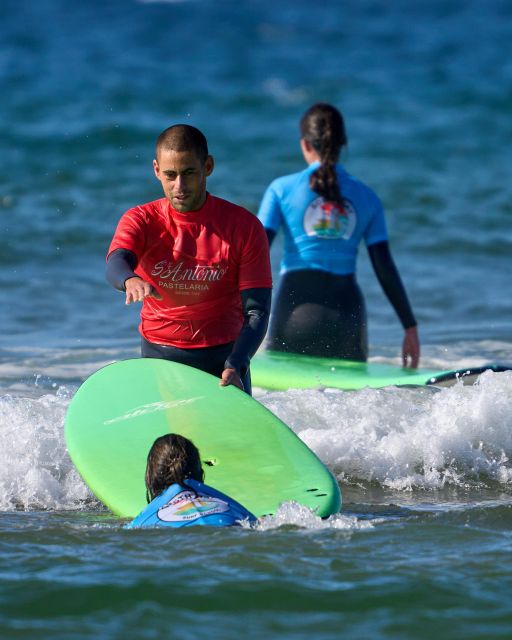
247 452
280 371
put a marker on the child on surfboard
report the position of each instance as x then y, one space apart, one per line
175 491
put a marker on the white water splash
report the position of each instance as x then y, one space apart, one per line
406 438
35 469
294 514
400 438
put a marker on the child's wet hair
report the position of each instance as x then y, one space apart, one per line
172 459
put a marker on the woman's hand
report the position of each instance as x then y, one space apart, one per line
411 348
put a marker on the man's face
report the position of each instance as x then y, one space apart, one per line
183 177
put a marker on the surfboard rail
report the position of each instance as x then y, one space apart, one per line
279 371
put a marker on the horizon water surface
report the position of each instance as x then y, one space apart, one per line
423 543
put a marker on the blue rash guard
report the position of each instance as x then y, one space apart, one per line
317 234
195 504
319 309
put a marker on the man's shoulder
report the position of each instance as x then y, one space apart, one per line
231 211
227 205
148 209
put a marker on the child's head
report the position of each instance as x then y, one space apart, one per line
171 460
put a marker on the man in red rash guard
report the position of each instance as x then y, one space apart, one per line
200 266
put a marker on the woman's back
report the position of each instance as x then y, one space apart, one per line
319 234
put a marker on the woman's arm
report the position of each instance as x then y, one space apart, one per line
391 283
271 234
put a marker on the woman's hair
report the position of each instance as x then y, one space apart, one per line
323 127
171 460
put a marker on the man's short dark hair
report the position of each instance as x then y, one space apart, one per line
183 137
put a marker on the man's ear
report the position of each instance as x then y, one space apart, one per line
156 169
208 165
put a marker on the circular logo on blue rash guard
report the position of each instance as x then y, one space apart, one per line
330 221
187 506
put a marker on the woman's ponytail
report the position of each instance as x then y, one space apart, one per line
323 127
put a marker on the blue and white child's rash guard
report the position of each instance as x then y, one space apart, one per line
191 505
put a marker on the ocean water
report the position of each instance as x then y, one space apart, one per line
423 545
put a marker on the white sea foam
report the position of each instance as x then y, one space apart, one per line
35 469
400 438
294 514
405 438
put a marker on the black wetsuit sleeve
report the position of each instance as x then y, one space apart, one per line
120 266
271 234
391 283
256 310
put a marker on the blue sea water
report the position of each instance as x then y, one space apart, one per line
423 544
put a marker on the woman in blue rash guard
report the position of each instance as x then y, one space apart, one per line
175 491
325 214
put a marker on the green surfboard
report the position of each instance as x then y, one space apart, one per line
247 452
280 371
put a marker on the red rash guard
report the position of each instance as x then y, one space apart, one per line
199 262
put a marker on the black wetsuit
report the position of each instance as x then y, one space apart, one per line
322 314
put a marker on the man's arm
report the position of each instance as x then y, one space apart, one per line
256 310
121 264
121 275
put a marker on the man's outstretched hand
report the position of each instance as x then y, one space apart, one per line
137 289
